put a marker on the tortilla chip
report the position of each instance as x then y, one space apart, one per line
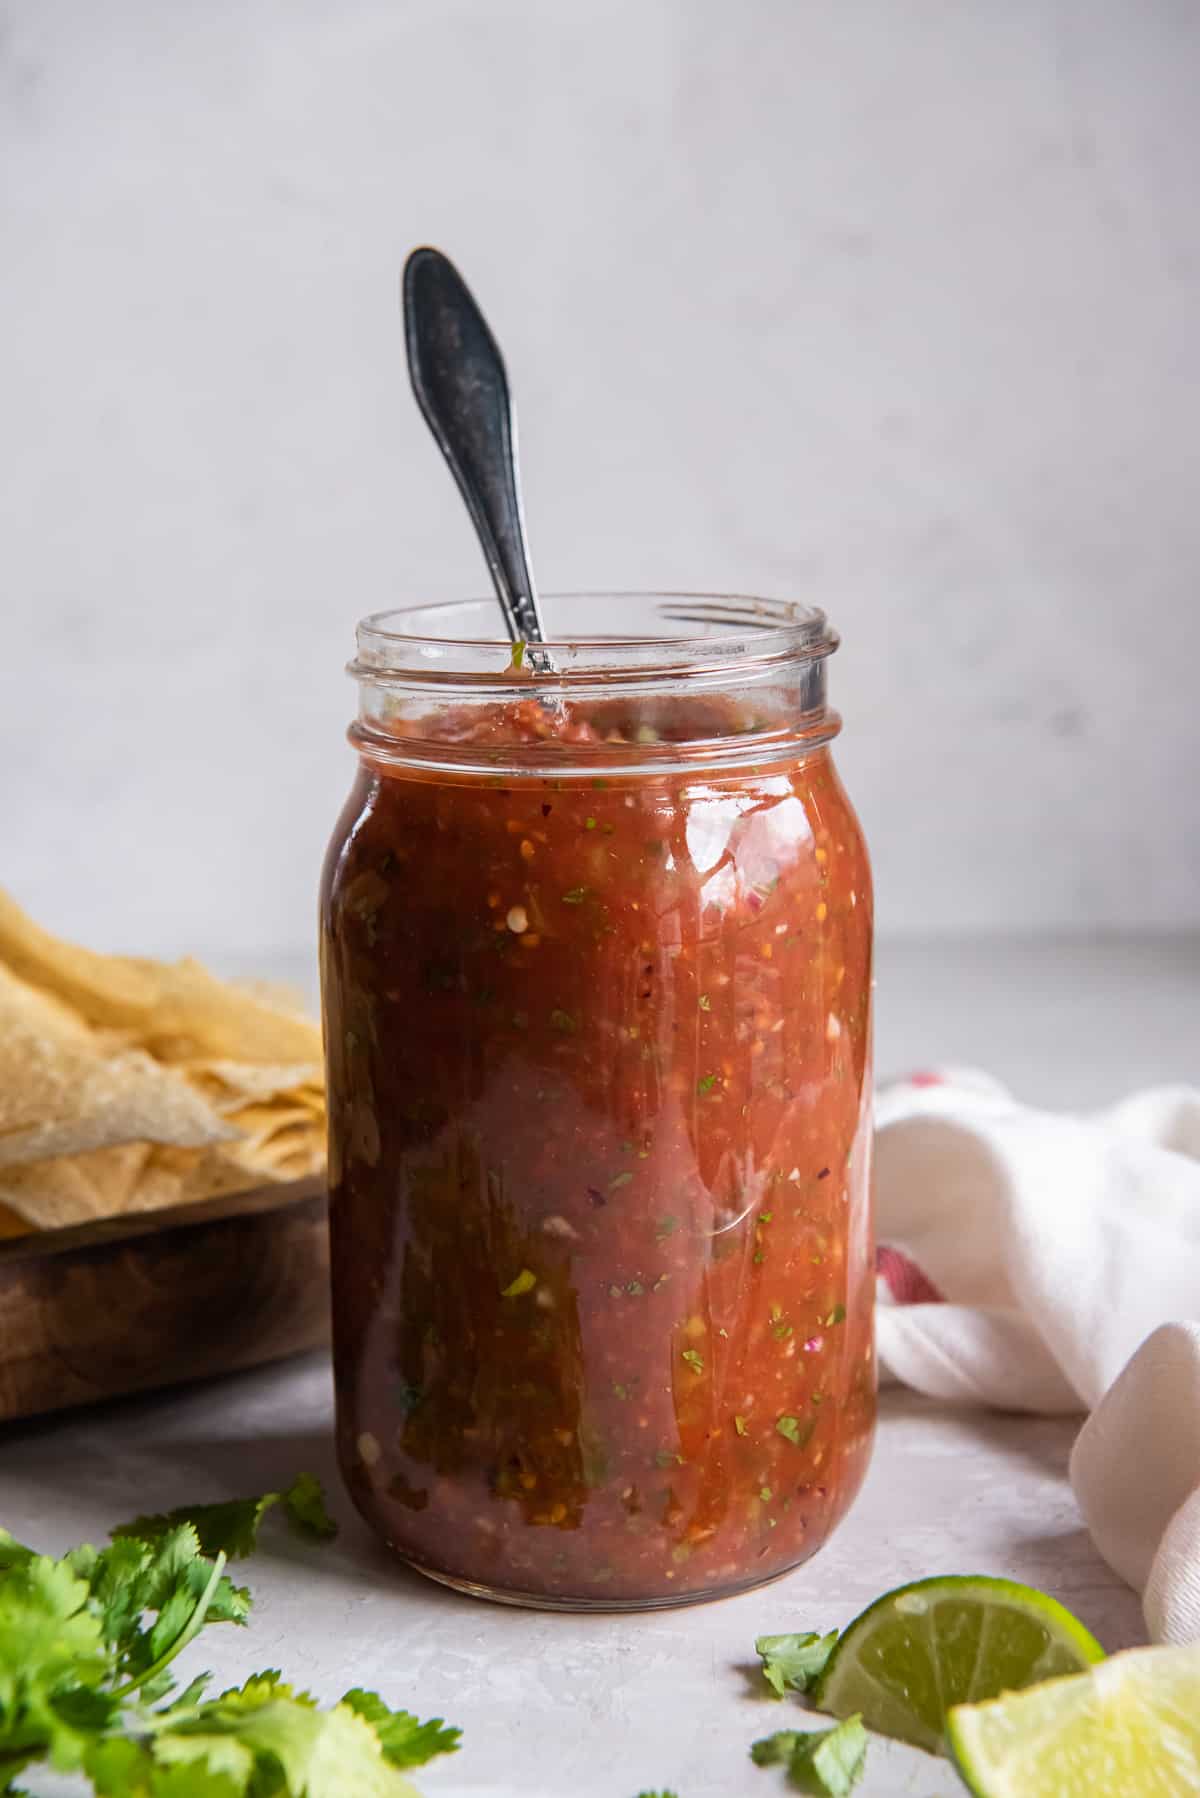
59 1095
229 1084
176 1009
74 1189
130 1085
281 994
194 1014
103 988
185 1177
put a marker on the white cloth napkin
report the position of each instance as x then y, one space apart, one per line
1050 1263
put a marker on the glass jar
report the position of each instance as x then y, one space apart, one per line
595 959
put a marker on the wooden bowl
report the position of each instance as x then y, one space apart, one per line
158 1297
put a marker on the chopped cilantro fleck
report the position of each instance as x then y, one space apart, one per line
794 1430
575 896
836 1316
764 1492
694 1359
562 1020
706 1083
619 1390
635 1289
589 824
668 1457
524 1282
619 1180
667 1226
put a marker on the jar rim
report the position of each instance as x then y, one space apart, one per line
415 642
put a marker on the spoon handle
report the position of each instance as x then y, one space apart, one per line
462 389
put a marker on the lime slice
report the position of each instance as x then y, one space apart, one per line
938 1642
1131 1725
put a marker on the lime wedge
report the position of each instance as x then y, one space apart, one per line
939 1642
1131 1725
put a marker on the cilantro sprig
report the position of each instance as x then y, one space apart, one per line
87 1646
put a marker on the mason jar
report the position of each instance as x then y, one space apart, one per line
596 974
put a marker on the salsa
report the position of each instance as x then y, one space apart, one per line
599 1089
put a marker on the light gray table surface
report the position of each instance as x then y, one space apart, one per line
609 1706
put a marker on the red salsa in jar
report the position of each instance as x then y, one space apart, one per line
596 951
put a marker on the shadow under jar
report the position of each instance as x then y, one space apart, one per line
596 953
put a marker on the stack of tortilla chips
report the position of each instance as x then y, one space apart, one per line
129 1085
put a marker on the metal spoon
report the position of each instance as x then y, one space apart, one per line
461 386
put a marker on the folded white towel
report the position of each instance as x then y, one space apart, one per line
1026 1258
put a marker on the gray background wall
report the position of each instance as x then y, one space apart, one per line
892 305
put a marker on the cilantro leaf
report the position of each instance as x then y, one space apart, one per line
168 1580
830 1762
50 1645
12 1552
796 1660
304 1502
777 1748
257 1732
827 1762
231 1526
405 1741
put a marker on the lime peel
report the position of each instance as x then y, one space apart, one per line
925 1647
